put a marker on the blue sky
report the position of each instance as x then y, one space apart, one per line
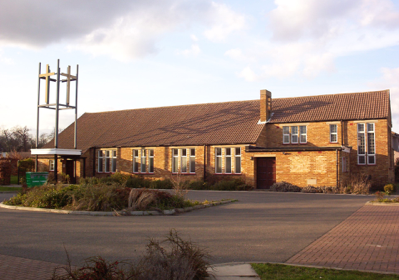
137 54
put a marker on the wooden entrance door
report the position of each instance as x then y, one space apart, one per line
266 172
70 170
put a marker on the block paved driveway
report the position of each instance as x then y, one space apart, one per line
367 240
261 226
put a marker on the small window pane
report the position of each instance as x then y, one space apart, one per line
238 165
183 161
219 165
175 160
227 160
143 161
135 161
371 159
228 165
294 134
113 161
192 164
218 151
370 127
238 152
192 160
362 159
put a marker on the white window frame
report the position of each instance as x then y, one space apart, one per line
192 160
294 135
369 155
363 132
222 159
334 133
113 160
183 161
226 158
136 156
51 165
107 161
286 134
303 134
143 161
151 161
175 163
237 156
218 160
100 161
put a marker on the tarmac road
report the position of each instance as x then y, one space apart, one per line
261 226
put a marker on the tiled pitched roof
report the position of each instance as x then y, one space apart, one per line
346 106
216 123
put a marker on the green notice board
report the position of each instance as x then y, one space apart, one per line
34 179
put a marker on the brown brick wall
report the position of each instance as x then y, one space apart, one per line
318 135
298 167
382 172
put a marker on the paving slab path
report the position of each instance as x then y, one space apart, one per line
367 240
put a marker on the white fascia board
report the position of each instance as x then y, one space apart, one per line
54 151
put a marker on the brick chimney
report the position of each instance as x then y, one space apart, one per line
265 105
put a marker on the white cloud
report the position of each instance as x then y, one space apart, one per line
390 80
248 74
307 36
123 30
4 59
225 21
193 51
194 38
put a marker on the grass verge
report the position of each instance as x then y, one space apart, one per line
10 189
281 272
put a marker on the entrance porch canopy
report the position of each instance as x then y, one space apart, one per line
57 151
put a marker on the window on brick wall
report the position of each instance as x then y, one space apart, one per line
106 161
366 144
100 162
143 161
295 134
333 133
286 134
237 156
225 155
192 160
175 160
370 143
51 165
151 161
303 137
183 160
136 161
113 165
227 158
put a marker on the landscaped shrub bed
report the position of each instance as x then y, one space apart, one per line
98 197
